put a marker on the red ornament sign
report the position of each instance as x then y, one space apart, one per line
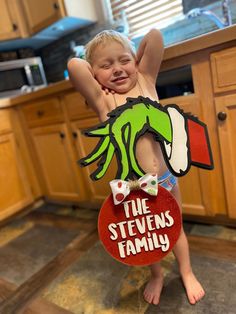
142 229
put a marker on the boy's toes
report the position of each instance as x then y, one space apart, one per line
156 300
148 297
192 300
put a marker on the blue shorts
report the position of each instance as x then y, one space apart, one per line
167 181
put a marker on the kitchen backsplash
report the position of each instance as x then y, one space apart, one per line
56 55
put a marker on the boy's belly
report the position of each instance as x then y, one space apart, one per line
149 155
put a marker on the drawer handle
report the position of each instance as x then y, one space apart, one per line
222 116
15 27
75 135
62 135
40 113
55 6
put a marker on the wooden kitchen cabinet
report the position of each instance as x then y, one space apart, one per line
9 28
226 115
223 65
22 18
57 163
52 147
76 107
43 112
40 14
194 192
15 191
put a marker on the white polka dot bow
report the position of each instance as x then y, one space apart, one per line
120 189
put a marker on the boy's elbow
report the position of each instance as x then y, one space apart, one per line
156 34
72 63
75 63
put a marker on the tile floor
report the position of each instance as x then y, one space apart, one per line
95 284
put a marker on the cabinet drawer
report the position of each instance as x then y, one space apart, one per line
43 112
5 121
223 64
76 107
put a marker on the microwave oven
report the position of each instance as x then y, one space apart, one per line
21 76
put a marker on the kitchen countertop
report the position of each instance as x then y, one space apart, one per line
180 49
204 41
51 89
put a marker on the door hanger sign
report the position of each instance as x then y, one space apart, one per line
142 229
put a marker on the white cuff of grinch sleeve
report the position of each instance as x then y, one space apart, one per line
177 151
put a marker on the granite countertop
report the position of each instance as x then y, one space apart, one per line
51 89
189 46
201 42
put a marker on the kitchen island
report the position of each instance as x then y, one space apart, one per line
41 136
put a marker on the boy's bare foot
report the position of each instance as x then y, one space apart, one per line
193 287
153 289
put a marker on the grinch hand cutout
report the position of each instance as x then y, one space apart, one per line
141 221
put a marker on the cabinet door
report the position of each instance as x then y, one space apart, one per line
223 65
100 189
57 163
41 14
226 114
194 185
8 24
15 192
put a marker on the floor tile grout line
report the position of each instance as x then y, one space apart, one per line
6 288
30 289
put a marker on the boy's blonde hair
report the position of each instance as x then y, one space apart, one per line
103 38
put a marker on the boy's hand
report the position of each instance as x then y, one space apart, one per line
108 90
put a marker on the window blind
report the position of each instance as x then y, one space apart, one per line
142 15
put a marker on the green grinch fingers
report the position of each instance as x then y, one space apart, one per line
97 152
133 160
104 163
100 131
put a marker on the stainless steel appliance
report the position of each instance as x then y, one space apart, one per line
21 76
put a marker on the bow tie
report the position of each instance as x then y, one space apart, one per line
121 189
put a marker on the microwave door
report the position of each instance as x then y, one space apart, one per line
11 81
29 75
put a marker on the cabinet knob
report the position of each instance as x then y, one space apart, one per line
14 26
40 113
75 135
62 135
55 6
222 115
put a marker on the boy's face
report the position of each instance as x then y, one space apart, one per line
114 67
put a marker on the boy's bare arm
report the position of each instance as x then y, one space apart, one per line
81 76
150 54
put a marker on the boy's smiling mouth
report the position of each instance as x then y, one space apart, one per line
119 79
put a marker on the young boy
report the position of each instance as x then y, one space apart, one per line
112 73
